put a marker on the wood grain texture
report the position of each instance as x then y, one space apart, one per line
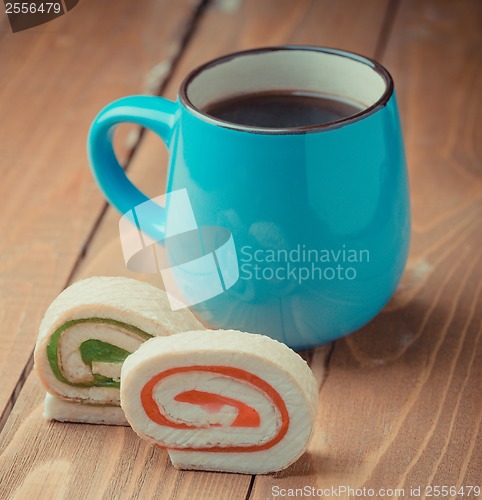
401 405
88 462
53 81
149 472
400 402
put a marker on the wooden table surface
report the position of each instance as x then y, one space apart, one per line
400 400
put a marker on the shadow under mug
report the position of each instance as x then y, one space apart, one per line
319 215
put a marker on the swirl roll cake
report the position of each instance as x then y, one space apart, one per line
221 400
85 336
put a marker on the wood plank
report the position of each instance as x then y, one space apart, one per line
90 462
401 404
53 80
220 31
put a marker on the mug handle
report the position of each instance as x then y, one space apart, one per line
155 113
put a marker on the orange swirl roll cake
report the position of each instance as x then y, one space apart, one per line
221 400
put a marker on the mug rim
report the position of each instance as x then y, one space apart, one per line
364 113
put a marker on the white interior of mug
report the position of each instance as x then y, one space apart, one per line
340 75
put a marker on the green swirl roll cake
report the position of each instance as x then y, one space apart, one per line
85 336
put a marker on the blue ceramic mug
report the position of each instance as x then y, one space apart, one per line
319 214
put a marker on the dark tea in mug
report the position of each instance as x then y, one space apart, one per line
281 109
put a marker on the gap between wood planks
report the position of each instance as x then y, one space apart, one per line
387 28
190 29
